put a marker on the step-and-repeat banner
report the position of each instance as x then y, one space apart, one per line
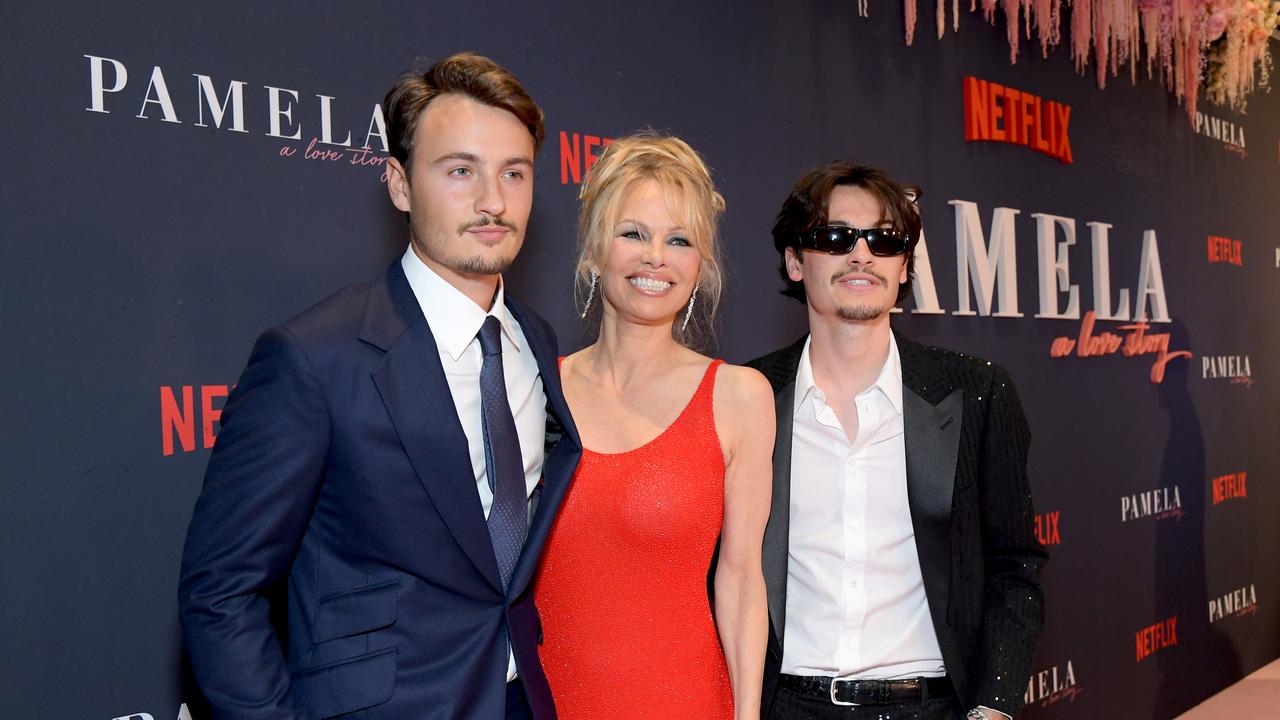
178 178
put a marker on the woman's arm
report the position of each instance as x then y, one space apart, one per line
745 422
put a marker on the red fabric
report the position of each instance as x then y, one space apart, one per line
627 625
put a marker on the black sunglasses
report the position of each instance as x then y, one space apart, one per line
841 239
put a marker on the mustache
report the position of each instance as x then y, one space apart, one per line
842 274
484 221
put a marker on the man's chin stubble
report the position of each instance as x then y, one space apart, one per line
860 313
481 265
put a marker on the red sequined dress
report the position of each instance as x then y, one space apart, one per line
628 629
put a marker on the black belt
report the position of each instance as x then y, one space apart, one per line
852 691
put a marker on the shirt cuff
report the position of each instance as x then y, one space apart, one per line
1003 715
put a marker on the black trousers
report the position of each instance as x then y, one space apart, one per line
791 705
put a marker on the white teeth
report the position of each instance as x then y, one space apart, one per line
859 281
650 284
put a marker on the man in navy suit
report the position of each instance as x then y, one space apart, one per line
394 456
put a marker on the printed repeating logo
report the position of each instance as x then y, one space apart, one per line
987 284
1235 369
1229 487
1047 528
578 152
1226 250
180 414
1157 637
1227 133
1052 685
1240 602
183 714
1161 504
995 113
280 112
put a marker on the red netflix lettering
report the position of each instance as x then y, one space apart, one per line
1047 528
1225 250
177 421
977 119
576 156
1228 487
1156 637
995 113
178 418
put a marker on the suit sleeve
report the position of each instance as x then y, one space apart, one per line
259 491
1013 604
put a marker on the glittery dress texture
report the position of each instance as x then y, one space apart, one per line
627 624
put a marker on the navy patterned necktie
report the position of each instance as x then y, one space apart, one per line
508 516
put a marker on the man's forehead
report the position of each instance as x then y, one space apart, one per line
849 202
466 125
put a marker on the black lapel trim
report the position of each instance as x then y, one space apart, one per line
780 368
933 413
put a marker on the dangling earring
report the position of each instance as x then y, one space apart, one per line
595 279
688 312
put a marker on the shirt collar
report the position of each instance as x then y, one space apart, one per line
889 381
454 319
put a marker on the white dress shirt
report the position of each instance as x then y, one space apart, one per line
856 605
455 321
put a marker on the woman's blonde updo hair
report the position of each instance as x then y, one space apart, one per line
691 197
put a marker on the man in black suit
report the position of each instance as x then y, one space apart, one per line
900 557
394 455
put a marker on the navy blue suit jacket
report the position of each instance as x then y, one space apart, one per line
341 473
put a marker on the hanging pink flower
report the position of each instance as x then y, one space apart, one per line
1217 26
1220 44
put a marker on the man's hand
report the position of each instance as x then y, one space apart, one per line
983 712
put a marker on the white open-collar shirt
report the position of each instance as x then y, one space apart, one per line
455 321
856 605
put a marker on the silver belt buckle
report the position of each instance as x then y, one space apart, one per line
834 701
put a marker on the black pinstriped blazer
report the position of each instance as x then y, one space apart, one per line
966 445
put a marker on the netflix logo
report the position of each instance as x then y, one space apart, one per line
997 113
1154 638
1225 250
1228 487
578 153
1047 528
180 414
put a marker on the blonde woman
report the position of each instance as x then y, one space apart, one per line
676 459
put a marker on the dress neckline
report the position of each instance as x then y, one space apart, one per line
697 391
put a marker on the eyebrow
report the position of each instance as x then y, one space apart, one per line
473 158
464 156
879 223
642 226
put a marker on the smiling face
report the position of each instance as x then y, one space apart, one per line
471 187
651 265
858 286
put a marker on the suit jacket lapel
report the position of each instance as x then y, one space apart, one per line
932 414
414 390
780 368
561 456
777 532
